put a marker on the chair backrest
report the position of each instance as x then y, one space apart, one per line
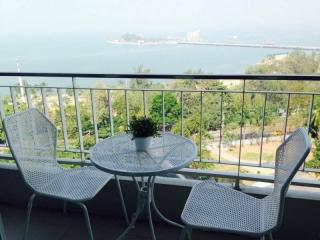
290 155
32 140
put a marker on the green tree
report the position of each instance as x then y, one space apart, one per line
140 83
297 62
315 124
315 161
171 108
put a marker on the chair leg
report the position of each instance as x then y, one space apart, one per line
123 205
189 233
185 234
270 236
30 204
65 203
2 232
153 237
86 214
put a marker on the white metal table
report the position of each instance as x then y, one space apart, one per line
167 153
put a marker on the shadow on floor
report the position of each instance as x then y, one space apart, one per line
54 225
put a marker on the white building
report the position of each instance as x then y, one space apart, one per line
194 36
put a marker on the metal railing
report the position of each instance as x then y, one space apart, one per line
242 91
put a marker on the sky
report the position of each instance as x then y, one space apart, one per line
154 16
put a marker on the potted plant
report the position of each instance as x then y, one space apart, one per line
143 129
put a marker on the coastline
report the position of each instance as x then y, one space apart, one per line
141 43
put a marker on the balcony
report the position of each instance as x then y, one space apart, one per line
236 153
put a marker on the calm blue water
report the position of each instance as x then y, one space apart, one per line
92 54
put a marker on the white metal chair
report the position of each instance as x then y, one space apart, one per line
215 207
32 139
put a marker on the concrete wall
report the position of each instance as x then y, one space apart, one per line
301 218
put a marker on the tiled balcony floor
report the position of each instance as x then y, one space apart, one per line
54 225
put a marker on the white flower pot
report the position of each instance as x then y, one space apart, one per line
142 143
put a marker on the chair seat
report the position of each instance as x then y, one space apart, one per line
80 184
213 206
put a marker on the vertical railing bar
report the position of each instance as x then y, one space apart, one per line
237 184
163 113
2 116
110 111
14 99
262 130
94 114
201 123
287 114
144 103
221 125
44 101
76 102
63 120
127 108
310 112
181 110
2 112
29 102
309 123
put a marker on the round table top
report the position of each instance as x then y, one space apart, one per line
167 153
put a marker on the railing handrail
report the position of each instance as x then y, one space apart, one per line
168 76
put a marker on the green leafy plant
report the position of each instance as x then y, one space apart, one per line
143 127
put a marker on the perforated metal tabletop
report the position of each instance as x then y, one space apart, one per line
167 153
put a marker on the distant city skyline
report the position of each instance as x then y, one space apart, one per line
150 17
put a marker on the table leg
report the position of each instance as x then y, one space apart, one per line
144 199
158 211
123 205
149 207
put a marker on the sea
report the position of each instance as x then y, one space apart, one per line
91 53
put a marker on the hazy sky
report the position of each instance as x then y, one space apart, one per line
153 16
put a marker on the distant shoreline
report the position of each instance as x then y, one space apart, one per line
142 43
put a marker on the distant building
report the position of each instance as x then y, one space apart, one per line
194 36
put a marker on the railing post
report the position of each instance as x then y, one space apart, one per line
79 124
221 125
201 123
262 130
181 111
286 120
94 114
310 113
2 116
14 99
309 122
2 112
144 103
163 113
237 183
63 120
44 101
29 102
127 108
110 111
